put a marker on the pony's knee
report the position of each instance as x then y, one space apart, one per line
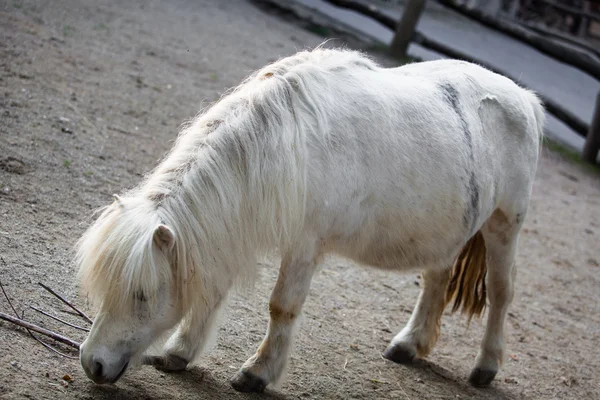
282 315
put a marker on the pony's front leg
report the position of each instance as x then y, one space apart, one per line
423 328
188 341
267 364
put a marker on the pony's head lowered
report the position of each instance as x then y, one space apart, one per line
232 188
127 268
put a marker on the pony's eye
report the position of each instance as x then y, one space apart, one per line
139 295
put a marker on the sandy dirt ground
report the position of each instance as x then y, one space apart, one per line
92 93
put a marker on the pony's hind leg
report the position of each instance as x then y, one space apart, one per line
267 364
423 328
501 233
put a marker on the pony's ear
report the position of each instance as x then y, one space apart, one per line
164 238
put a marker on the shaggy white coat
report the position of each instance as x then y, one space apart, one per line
320 152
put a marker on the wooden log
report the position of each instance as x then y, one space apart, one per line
578 59
592 142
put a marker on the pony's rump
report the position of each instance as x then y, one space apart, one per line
467 278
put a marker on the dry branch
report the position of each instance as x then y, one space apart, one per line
81 328
38 329
88 319
147 360
46 345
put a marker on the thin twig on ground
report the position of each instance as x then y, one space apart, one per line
68 311
81 313
19 321
46 345
81 328
43 331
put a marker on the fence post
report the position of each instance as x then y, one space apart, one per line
513 8
406 27
584 21
592 141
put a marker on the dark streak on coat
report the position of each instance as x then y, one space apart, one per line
474 209
451 96
470 217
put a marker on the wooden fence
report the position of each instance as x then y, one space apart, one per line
578 17
581 60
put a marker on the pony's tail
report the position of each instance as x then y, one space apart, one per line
467 278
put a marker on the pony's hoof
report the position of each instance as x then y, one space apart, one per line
246 382
399 354
481 377
167 363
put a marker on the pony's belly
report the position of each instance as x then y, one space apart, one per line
401 252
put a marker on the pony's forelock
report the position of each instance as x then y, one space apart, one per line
117 257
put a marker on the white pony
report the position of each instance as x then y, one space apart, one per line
427 166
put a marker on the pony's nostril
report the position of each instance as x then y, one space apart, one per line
97 369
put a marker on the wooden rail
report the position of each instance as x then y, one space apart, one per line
578 59
571 10
560 112
562 37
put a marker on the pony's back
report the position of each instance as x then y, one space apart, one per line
388 147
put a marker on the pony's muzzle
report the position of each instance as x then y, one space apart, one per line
96 369
100 369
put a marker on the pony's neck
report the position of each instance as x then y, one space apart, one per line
234 185
222 223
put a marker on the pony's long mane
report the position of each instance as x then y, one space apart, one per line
232 188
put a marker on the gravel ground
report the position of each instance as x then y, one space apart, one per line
92 93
